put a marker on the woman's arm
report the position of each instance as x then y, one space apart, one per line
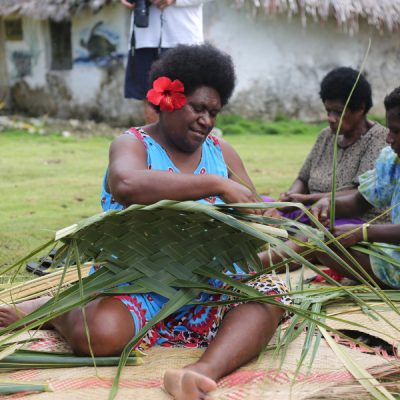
348 205
236 169
312 198
298 187
130 181
374 233
384 233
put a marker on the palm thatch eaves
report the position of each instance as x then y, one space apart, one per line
56 10
382 14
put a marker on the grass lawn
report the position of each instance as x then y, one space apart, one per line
49 182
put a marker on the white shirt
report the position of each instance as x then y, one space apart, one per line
179 23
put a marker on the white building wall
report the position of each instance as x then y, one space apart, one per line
280 63
33 47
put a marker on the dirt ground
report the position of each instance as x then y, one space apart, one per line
69 127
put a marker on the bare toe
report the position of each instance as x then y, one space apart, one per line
185 384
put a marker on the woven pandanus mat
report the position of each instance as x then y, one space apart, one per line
385 325
260 379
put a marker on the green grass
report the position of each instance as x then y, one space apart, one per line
49 182
236 125
46 183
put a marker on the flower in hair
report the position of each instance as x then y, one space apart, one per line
167 94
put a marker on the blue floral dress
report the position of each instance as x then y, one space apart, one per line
192 325
381 188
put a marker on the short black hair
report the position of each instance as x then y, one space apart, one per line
392 100
338 83
196 66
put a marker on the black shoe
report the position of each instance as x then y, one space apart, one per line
41 267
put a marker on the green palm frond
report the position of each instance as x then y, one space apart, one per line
27 359
17 387
335 144
174 248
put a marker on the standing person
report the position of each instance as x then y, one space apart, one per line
176 158
171 22
359 144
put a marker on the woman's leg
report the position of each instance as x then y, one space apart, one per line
109 322
110 326
243 333
362 259
275 258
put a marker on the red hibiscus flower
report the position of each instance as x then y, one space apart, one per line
167 94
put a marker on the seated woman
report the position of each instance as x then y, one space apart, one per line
176 158
379 187
359 143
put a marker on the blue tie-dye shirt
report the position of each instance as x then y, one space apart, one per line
381 188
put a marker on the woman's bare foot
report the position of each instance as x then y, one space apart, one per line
12 313
185 384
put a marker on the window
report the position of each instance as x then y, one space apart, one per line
13 29
61 50
22 63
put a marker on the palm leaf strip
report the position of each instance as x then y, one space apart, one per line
334 160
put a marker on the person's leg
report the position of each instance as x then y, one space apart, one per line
274 257
12 313
362 259
243 333
137 76
110 326
109 322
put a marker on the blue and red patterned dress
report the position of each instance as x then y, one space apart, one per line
191 325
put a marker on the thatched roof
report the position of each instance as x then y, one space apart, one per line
55 9
383 14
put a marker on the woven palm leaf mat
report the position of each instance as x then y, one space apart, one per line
260 379
386 326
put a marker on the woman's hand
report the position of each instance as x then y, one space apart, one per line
350 239
234 192
321 210
272 212
304 198
162 3
127 4
285 196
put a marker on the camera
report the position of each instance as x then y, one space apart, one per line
141 13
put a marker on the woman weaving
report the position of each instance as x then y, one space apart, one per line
177 159
359 143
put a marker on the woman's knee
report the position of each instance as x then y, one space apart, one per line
104 329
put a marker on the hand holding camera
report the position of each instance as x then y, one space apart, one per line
141 12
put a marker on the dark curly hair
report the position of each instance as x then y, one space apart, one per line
338 83
392 100
196 66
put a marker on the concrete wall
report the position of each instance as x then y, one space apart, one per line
279 64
